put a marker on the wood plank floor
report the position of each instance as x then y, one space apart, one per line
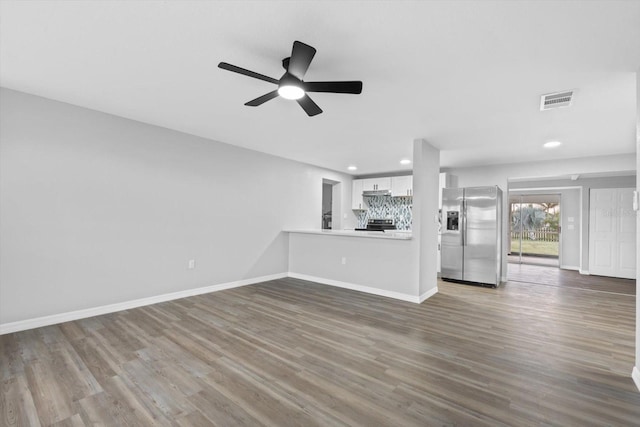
290 352
544 275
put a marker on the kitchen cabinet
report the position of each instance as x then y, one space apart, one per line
357 201
377 184
402 186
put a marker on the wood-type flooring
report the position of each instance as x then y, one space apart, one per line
542 275
296 353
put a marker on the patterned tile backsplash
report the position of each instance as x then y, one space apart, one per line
396 208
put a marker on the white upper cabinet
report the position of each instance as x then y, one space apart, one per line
402 186
357 202
377 184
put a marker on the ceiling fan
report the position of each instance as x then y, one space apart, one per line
291 85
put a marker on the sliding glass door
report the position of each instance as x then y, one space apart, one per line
534 228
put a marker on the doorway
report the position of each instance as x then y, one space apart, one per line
327 202
534 234
331 205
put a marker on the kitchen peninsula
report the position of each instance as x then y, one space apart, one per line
380 263
391 264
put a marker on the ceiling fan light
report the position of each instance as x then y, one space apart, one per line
290 92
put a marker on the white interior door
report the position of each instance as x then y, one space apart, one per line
626 260
612 230
602 232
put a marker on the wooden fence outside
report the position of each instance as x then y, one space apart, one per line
540 234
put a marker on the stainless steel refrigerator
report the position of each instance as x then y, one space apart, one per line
471 242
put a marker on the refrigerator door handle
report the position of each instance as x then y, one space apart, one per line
464 223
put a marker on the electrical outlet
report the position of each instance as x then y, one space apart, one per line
344 260
192 264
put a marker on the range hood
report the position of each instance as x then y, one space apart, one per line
377 193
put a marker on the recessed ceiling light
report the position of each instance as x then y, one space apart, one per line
405 162
290 92
552 144
352 168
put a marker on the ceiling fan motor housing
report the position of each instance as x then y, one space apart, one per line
290 80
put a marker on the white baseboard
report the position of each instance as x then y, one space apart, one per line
586 272
22 325
635 374
361 288
38 322
570 267
428 294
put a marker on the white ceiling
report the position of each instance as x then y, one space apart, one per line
465 76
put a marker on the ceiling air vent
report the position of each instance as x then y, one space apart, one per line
556 100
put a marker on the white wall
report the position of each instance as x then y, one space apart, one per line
499 174
636 369
97 209
572 232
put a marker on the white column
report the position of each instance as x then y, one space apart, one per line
636 369
426 175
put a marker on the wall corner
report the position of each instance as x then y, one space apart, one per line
426 183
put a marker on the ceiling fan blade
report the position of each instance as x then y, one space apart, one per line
310 107
301 56
334 87
239 70
262 99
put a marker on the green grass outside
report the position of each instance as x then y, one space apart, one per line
534 247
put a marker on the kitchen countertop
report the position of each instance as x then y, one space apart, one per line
389 234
